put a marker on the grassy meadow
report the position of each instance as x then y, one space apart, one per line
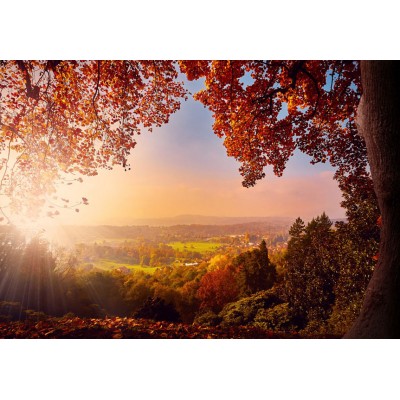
199 247
108 265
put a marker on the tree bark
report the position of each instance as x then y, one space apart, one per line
378 120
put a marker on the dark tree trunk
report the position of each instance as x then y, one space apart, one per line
378 120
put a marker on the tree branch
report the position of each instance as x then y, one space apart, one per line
31 91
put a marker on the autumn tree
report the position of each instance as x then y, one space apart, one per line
217 288
267 109
63 119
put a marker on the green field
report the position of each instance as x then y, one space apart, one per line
109 265
111 241
199 247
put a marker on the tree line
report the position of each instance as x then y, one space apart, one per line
316 286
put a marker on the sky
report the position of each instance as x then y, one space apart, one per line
182 168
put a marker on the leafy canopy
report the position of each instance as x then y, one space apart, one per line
267 109
74 117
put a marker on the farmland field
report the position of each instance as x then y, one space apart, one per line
199 247
109 265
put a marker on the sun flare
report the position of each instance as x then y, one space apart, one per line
43 227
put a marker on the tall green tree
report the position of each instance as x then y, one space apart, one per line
311 269
255 271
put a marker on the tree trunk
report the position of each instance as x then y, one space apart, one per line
378 120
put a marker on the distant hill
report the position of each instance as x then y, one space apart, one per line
163 230
205 220
172 229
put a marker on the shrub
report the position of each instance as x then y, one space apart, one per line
207 318
277 318
243 311
157 309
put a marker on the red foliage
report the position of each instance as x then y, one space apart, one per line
70 117
218 288
267 109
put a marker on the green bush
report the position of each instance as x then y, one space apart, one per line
243 311
207 318
342 319
277 318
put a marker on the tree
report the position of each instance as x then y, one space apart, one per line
296 230
267 109
379 124
357 243
30 276
157 309
255 271
217 288
311 269
62 118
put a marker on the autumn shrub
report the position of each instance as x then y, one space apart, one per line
217 288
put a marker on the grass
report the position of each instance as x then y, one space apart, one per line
109 265
111 241
199 247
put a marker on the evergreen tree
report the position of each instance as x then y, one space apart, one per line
311 269
255 270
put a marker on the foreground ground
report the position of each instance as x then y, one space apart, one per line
128 328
